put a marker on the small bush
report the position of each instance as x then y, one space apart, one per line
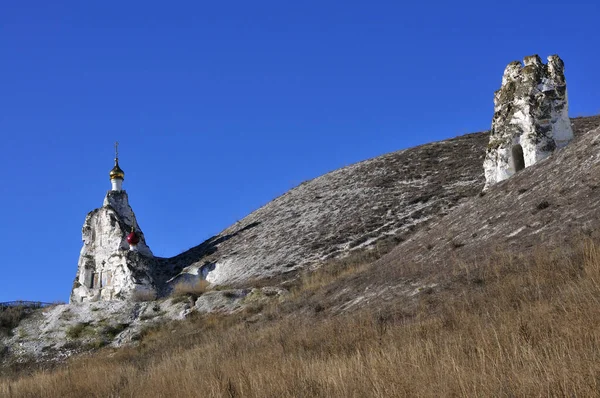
10 317
254 308
187 289
543 205
95 345
66 315
231 294
111 331
179 299
143 295
79 330
457 244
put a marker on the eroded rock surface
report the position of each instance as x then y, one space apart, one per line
531 117
59 331
107 269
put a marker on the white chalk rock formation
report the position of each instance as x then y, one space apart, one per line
107 269
531 117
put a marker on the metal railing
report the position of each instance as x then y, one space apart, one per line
24 303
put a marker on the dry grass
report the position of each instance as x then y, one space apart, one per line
334 269
513 327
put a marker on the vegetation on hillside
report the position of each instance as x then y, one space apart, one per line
11 315
514 326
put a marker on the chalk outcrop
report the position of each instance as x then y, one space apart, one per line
107 269
531 117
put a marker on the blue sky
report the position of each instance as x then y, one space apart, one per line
222 106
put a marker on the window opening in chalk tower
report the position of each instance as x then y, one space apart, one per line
517 158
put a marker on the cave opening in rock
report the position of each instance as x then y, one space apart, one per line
517 158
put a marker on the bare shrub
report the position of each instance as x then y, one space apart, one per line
79 330
11 316
143 295
190 289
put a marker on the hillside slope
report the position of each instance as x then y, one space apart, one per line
552 204
377 202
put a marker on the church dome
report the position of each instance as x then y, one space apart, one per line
133 238
116 172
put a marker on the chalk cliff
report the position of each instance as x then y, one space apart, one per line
531 117
107 269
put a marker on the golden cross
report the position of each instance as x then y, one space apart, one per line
116 149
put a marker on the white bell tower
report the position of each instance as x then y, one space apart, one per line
116 174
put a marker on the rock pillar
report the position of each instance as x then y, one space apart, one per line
531 117
107 269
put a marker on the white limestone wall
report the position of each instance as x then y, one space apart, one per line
119 202
561 124
498 167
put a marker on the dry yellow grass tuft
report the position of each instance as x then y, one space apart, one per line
513 327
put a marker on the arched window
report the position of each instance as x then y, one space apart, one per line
517 158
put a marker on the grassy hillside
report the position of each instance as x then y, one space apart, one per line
509 326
